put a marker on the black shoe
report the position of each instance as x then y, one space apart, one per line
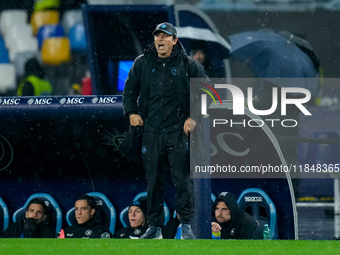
152 233
187 232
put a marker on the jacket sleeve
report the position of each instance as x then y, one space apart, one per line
132 88
13 231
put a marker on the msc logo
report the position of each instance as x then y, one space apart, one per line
107 100
11 101
104 100
73 100
40 101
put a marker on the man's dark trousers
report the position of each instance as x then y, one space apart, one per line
159 149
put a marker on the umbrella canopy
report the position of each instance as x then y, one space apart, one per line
269 55
303 44
217 46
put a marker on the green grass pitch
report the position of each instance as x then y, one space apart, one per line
160 247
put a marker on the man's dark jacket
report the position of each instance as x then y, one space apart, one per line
27 228
131 232
138 82
90 229
241 225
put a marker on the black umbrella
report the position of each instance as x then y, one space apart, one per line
269 55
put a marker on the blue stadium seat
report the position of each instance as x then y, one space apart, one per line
51 205
49 30
102 202
4 56
258 204
124 219
77 38
4 217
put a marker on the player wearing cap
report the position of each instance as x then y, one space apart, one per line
161 79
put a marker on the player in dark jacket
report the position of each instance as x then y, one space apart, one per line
137 220
161 79
232 223
89 221
36 224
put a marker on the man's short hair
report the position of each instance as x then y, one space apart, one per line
37 201
90 200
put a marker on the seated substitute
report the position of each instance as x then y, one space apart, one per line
137 220
230 222
36 223
89 221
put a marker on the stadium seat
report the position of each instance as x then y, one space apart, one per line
20 61
124 219
40 5
50 30
41 18
10 18
4 217
55 51
77 38
102 202
258 204
52 207
7 78
18 32
4 56
2 42
22 45
70 18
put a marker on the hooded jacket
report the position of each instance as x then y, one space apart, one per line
241 225
138 82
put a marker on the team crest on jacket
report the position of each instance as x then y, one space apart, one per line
174 71
88 232
137 232
143 149
232 231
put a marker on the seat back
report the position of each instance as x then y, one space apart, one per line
10 18
77 38
55 51
124 215
52 208
40 5
23 45
49 30
104 204
18 32
70 18
4 56
7 78
4 216
41 18
20 60
257 203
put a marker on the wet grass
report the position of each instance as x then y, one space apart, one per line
160 247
